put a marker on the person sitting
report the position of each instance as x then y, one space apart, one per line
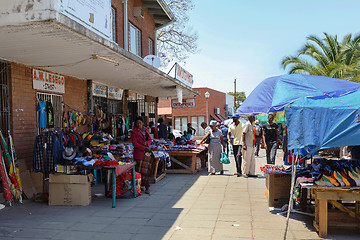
186 136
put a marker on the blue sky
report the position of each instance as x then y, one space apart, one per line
246 39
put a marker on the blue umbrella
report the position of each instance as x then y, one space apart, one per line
272 94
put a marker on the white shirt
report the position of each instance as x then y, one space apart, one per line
249 134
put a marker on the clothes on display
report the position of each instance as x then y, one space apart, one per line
42 114
49 115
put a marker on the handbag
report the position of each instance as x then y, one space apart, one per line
224 158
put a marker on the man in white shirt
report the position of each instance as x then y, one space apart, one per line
249 148
236 130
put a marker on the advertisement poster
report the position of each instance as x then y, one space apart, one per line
93 14
186 103
48 81
99 90
115 93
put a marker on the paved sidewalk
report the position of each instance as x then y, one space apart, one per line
202 206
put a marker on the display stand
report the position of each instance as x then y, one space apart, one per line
343 216
189 166
160 170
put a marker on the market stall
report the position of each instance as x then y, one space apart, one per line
321 112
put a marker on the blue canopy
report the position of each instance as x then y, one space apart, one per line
324 123
272 94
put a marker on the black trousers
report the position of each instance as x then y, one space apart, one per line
238 157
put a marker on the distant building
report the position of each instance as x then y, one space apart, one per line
229 107
193 110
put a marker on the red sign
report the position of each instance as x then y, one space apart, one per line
183 75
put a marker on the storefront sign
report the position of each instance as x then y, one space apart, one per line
48 81
183 75
92 14
186 103
99 90
115 93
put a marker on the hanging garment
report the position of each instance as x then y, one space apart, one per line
49 115
42 114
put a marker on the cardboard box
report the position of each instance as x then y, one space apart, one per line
69 190
278 189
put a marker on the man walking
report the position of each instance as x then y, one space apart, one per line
248 168
258 135
237 130
270 138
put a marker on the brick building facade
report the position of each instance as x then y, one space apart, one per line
194 110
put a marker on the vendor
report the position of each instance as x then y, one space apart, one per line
186 136
141 140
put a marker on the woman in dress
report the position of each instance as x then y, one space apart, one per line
141 140
216 141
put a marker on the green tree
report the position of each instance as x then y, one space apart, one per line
240 98
327 57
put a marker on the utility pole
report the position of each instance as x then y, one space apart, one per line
234 96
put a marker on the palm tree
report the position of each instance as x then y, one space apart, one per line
327 57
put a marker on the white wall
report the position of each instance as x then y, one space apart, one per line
22 11
230 104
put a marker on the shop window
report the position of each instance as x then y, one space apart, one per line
113 24
180 123
152 111
134 40
4 98
151 47
196 124
57 105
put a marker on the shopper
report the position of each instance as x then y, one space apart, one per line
216 140
225 130
190 130
258 136
248 166
205 127
270 138
141 141
170 131
163 133
236 130
153 130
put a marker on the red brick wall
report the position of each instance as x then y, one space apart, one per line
23 107
146 25
217 100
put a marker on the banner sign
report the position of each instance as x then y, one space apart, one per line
92 14
48 81
99 90
115 93
183 75
186 103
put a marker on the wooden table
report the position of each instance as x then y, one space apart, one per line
190 168
160 166
345 217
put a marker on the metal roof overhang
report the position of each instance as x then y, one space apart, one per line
68 48
160 10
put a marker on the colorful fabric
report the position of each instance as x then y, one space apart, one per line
145 166
42 114
49 115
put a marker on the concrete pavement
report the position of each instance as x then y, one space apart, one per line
179 207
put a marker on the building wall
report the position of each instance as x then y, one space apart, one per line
145 25
217 99
23 105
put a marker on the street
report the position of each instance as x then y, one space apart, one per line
179 207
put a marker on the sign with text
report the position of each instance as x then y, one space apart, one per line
99 90
92 14
186 103
115 93
183 75
48 81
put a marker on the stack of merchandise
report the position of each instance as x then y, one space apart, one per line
341 173
161 145
187 148
163 156
273 169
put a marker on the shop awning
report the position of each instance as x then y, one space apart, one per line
215 117
65 47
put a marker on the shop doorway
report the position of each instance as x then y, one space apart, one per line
133 111
4 98
57 104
